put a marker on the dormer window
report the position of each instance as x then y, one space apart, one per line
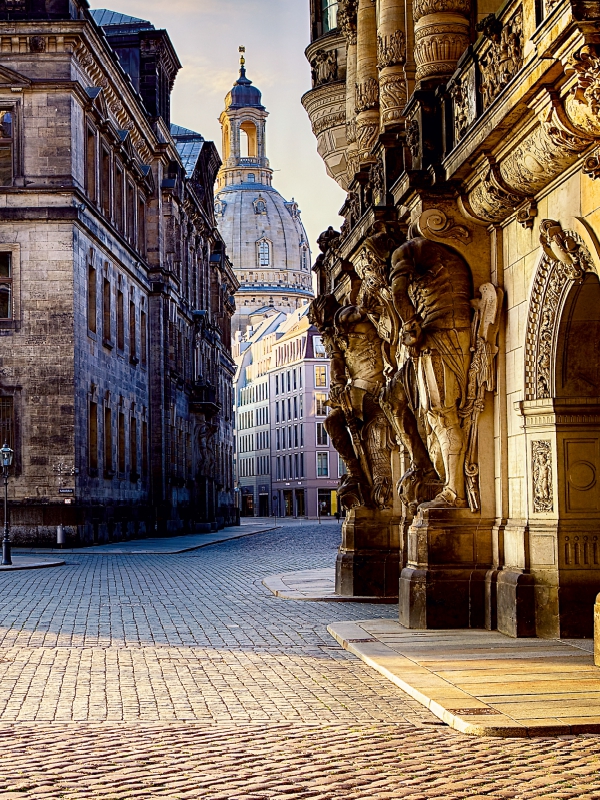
220 206
260 205
264 253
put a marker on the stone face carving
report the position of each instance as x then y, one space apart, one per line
324 67
357 426
565 260
391 50
504 57
541 463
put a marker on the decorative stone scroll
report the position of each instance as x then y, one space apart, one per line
565 260
541 472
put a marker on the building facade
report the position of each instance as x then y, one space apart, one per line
463 291
116 377
264 235
285 462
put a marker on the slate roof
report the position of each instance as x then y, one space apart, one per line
106 18
189 145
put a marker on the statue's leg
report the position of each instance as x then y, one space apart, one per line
394 403
450 435
377 437
335 425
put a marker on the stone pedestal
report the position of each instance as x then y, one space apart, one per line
444 582
367 564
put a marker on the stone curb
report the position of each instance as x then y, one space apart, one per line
99 550
456 708
277 585
23 563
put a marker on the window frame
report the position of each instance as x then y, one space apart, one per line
15 283
319 457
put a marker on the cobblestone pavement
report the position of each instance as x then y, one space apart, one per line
182 676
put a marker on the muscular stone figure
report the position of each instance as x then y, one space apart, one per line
357 425
432 291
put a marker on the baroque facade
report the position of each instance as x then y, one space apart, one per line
285 462
116 290
460 305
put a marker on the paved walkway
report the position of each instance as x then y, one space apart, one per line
182 676
314 584
482 682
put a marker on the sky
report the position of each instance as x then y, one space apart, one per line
206 35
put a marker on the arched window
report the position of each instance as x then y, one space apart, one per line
264 253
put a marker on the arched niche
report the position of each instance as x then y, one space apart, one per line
248 140
577 364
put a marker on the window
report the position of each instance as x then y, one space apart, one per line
142 227
91 299
119 198
105 181
144 449
301 435
295 436
131 212
6 148
121 443
301 473
133 454
289 410
341 467
251 177
290 437
276 384
322 438
320 376
329 12
295 380
93 437
264 253
132 334
278 468
295 408
322 465
90 165
289 382
300 406
143 339
108 449
6 286
320 407
7 421
319 347
106 322
120 321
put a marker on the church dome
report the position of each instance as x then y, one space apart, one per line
265 238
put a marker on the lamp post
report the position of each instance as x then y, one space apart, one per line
6 458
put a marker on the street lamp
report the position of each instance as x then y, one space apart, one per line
6 459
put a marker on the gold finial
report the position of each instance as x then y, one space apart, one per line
242 50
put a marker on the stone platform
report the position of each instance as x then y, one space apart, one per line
484 683
314 584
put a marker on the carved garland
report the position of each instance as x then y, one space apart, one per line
565 260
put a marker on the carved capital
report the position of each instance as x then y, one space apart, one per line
367 95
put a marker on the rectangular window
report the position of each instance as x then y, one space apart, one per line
7 421
294 380
120 321
278 468
131 212
282 412
329 12
93 437
90 172
296 469
121 443
295 436
105 181
290 471
278 440
322 438
106 321
295 408
108 448
289 410
6 286
144 449
300 377
132 334
141 227
301 475
133 450
300 407
143 339
119 198
289 385
319 347
91 299
321 376
322 465
6 148
320 407
301 435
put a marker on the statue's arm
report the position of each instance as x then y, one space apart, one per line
402 304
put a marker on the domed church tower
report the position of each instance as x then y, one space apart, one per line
265 238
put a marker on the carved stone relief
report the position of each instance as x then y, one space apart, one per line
413 138
347 10
501 61
565 260
541 471
462 92
367 95
392 97
435 224
324 67
391 50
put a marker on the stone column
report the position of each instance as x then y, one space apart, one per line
441 37
347 23
391 56
367 80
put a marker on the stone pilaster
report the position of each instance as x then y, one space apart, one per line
367 80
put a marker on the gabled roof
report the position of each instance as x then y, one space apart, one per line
113 19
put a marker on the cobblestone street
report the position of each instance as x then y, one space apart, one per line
182 676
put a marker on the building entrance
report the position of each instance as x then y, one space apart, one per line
288 503
247 505
300 503
263 505
324 502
